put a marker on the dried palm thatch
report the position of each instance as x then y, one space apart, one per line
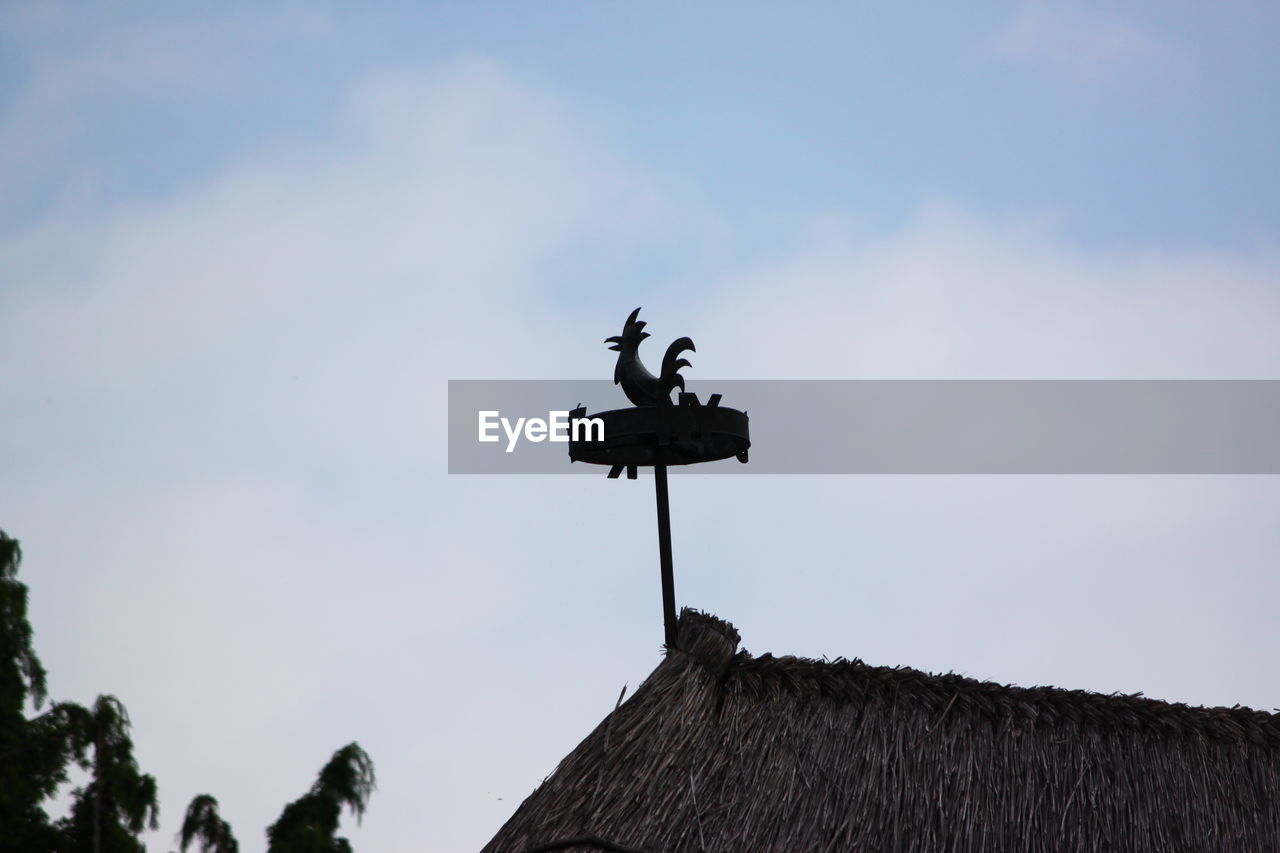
722 751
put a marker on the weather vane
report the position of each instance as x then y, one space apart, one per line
657 432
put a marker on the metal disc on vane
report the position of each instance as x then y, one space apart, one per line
684 434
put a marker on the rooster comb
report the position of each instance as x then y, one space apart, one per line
632 324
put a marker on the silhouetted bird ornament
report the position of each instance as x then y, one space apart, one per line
641 386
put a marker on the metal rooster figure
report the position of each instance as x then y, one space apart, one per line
658 432
641 386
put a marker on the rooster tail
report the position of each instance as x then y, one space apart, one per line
671 365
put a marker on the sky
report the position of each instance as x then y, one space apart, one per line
243 248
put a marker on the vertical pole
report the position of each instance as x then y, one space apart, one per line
664 554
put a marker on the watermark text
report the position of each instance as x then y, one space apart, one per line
556 427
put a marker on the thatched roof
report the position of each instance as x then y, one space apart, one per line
722 751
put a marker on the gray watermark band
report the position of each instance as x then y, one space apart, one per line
908 426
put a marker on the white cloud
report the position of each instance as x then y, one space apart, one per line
954 297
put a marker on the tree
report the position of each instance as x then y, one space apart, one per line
34 754
21 673
310 823
205 825
119 802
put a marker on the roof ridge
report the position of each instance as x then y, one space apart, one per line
713 642
846 680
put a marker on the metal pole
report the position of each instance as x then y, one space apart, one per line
664 554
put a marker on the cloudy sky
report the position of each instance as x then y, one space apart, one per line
242 250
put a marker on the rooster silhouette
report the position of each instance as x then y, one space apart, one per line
642 387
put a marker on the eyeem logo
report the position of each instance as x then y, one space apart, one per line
555 428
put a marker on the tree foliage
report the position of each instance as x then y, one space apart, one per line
33 753
21 673
204 825
120 801
310 823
